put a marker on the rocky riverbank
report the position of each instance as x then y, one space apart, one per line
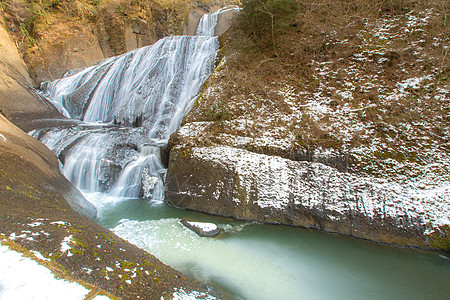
307 133
43 216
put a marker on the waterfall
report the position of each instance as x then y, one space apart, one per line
145 87
130 105
94 155
145 172
207 24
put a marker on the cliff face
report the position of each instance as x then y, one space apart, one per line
327 122
18 100
57 36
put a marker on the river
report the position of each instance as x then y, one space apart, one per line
256 261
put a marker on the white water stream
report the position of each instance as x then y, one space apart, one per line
151 89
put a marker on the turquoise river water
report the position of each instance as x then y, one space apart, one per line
256 262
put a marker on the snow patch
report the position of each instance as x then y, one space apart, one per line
207 227
62 223
34 224
65 245
181 294
24 278
102 297
38 255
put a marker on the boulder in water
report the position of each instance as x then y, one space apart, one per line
201 228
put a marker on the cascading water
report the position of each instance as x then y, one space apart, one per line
207 24
146 87
95 156
151 88
146 166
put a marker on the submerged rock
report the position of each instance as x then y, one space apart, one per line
201 228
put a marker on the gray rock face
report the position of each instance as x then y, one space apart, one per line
224 21
78 49
237 183
19 103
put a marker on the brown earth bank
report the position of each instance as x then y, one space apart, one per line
38 212
330 115
18 100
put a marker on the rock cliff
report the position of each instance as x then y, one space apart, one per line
18 100
342 130
57 36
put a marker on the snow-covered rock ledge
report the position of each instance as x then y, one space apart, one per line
201 228
233 182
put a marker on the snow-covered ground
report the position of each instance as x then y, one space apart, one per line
23 278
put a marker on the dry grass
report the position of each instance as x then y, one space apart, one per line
356 59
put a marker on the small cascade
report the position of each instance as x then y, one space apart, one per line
130 105
82 165
145 174
207 24
94 156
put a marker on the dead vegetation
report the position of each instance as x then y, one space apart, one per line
366 78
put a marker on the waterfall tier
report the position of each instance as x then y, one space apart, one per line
208 23
151 89
108 158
